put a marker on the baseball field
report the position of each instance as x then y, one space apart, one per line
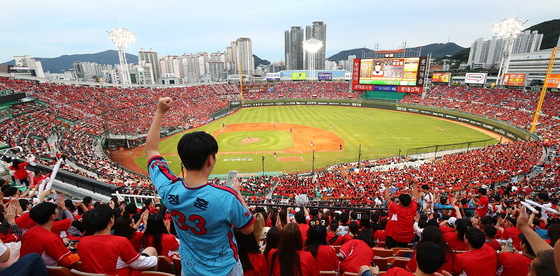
287 137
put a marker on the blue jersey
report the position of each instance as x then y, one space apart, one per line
204 217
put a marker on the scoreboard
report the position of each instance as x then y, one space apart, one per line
390 74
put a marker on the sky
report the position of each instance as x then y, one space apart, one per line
52 28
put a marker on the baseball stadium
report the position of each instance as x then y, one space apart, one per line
338 148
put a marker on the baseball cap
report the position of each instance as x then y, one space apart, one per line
451 221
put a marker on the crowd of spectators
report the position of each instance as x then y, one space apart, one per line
513 106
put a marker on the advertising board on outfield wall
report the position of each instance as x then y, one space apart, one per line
475 78
441 77
299 76
324 76
514 80
509 131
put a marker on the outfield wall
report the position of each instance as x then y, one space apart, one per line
502 128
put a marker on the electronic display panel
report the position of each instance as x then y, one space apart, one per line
393 71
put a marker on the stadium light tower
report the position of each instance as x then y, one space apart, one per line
507 29
122 38
311 46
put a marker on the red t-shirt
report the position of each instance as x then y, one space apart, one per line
355 253
260 266
479 262
136 241
19 170
494 244
397 271
446 228
452 239
401 222
513 264
168 243
513 233
482 206
303 229
326 258
306 260
45 243
334 239
379 236
100 254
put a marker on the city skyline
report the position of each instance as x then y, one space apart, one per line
64 27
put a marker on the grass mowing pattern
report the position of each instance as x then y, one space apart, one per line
381 133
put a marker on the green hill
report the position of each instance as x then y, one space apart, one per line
551 31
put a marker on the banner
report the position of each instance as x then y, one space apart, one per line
299 76
441 77
514 80
475 78
554 81
324 76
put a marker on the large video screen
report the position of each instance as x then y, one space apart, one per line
392 71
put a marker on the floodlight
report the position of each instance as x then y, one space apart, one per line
507 29
122 38
312 45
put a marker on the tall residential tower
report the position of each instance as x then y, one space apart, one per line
318 31
293 46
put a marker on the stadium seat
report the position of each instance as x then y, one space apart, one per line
382 252
81 273
155 273
58 271
165 264
402 251
396 249
398 262
381 262
78 266
177 264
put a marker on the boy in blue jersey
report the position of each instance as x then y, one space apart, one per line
204 214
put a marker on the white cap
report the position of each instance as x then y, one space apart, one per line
451 221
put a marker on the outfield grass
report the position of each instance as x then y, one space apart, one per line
380 133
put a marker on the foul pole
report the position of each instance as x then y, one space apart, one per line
543 91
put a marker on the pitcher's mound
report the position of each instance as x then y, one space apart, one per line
250 140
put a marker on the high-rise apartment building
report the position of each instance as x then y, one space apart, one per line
242 54
150 62
293 48
318 31
169 66
488 53
90 71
